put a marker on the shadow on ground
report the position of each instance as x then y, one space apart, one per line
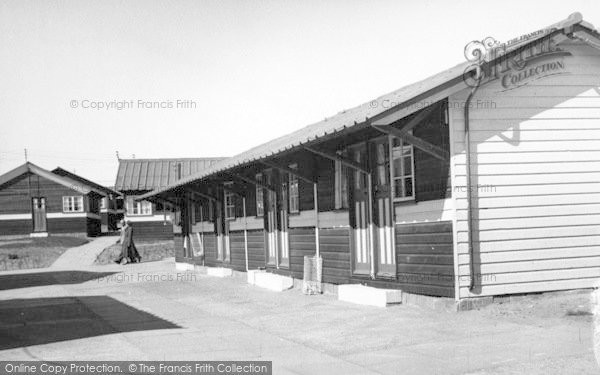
25 322
26 280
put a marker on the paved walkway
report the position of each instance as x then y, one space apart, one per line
84 255
149 311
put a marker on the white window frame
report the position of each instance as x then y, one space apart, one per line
229 200
104 203
293 191
403 176
341 185
143 208
260 199
73 203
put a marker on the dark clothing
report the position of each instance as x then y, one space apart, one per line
128 249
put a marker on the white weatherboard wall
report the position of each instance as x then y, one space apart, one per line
537 228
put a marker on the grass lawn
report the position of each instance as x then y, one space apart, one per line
149 251
26 252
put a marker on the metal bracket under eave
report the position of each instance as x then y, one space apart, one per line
419 143
252 181
202 195
335 157
419 117
290 171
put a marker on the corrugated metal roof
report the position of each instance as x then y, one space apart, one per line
150 174
356 116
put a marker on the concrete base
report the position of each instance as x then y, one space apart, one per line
365 295
179 266
270 281
38 234
219 271
251 276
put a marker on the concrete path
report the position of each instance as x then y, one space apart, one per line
84 255
149 311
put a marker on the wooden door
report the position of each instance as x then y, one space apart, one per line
283 224
359 214
383 222
39 214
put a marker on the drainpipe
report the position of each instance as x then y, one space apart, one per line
468 176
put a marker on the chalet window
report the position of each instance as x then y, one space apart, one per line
103 203
403 170
294 195
73 204
229 202
138 208
341 186
260 204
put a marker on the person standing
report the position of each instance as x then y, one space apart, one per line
129 253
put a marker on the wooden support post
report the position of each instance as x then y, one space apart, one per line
317 246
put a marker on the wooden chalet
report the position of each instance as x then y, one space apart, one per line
39 202
111 206
435 193
153 221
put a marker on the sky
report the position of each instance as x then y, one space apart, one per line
84 80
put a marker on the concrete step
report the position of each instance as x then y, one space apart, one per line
270 281
181 266
366 295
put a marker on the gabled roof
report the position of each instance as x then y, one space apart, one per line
77 185
149 174
363 115
107 191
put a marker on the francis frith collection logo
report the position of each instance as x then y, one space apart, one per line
515 63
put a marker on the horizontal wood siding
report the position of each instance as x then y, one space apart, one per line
152 230
238 252
335 251
68 225
256 249
93 227
16 196
424 257
302 243
14 227
536 168
210 248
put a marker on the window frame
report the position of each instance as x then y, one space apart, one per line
137 206
70 206
228 201
403 176
293 181
259 195
341 201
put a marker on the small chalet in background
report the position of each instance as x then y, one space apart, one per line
153 221
38 202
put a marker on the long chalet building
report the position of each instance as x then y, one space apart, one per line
442 188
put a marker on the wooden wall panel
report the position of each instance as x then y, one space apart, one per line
210 248
238 254
67 225
256 249
425 258
302 243
335 251
152 231
15 227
